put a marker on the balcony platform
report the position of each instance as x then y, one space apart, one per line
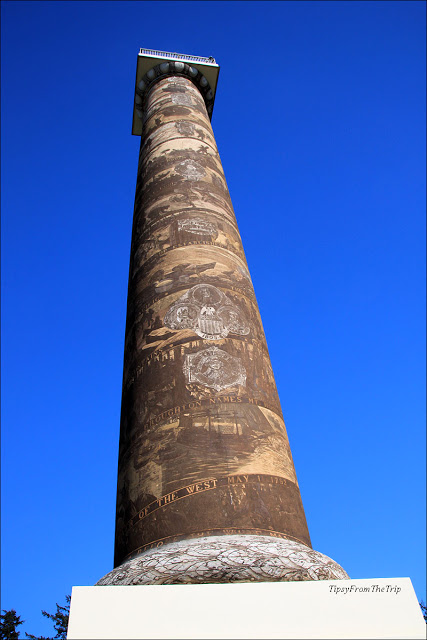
149 58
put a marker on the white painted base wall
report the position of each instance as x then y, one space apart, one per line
373 608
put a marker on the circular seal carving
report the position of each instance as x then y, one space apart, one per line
216 315
228 558
206 294
214 368
231 318
185 317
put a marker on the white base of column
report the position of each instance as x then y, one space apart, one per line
374 608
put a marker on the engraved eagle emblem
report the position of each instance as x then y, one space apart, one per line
208 312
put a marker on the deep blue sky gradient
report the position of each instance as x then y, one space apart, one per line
320 123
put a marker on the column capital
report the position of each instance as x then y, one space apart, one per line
153 66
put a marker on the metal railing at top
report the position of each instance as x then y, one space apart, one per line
179 56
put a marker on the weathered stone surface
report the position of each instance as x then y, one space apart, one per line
225 558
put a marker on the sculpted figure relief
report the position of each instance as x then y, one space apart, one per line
208 312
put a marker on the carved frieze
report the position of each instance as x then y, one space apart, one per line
203 446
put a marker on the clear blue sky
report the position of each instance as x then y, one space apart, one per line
320 123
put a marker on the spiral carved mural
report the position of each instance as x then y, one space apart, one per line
203 446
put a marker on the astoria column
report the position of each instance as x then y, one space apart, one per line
207 490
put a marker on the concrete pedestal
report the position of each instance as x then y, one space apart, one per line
373 608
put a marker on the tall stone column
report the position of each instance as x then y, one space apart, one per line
207 490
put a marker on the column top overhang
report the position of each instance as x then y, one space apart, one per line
152 65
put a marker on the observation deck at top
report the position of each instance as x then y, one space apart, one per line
153 65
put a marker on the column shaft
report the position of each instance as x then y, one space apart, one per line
203 446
